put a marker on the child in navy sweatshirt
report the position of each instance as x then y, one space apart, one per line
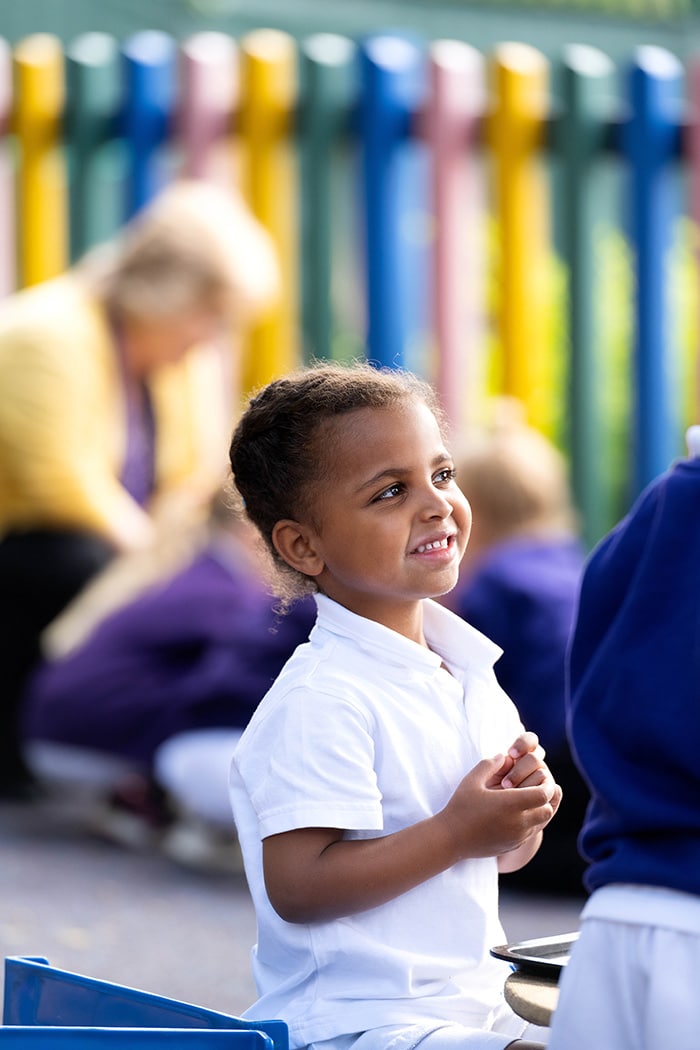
634 722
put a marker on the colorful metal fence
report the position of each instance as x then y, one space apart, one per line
501 223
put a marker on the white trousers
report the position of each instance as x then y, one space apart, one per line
432 1036
194 769
76 770
632 980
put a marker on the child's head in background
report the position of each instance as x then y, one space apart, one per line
516 481
344 471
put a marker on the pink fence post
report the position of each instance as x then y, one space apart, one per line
206 105
450 125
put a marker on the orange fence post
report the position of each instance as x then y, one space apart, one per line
267 105
517 136
42 184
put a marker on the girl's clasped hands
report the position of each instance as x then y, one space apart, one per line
502 805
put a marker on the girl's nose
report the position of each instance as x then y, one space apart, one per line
436 504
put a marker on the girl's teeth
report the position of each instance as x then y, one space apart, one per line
432 546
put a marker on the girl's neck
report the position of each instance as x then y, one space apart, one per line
406 620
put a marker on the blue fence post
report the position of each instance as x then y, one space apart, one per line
650 143
392 83
150 79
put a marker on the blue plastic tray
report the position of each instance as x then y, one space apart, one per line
39 994
40 1037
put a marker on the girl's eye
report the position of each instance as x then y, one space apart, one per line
393 490
448 474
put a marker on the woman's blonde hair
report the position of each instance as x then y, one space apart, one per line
195 244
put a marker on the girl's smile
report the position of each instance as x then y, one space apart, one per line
436 546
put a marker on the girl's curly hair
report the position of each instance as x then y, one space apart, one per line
284 445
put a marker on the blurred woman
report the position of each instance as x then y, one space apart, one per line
116 405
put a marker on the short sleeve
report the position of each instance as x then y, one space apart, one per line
309 761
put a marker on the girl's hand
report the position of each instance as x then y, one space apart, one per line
525 765
483 820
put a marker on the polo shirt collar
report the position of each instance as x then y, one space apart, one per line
450 637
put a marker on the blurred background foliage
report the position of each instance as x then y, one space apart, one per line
613 25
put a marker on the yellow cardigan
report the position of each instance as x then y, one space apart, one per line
63 416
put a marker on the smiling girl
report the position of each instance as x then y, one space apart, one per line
385 780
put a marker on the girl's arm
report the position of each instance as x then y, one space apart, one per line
314 874
516 859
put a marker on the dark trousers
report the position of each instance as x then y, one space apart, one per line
41 571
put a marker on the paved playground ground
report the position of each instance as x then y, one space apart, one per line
142 920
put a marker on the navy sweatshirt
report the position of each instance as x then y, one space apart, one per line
634 691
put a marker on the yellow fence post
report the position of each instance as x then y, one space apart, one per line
517 136
42 184
268 98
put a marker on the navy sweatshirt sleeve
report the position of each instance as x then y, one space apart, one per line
634 691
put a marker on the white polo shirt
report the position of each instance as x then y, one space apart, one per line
364 730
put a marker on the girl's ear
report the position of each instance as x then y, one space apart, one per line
295 543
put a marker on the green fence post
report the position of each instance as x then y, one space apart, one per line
328 84
96 192
587 77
